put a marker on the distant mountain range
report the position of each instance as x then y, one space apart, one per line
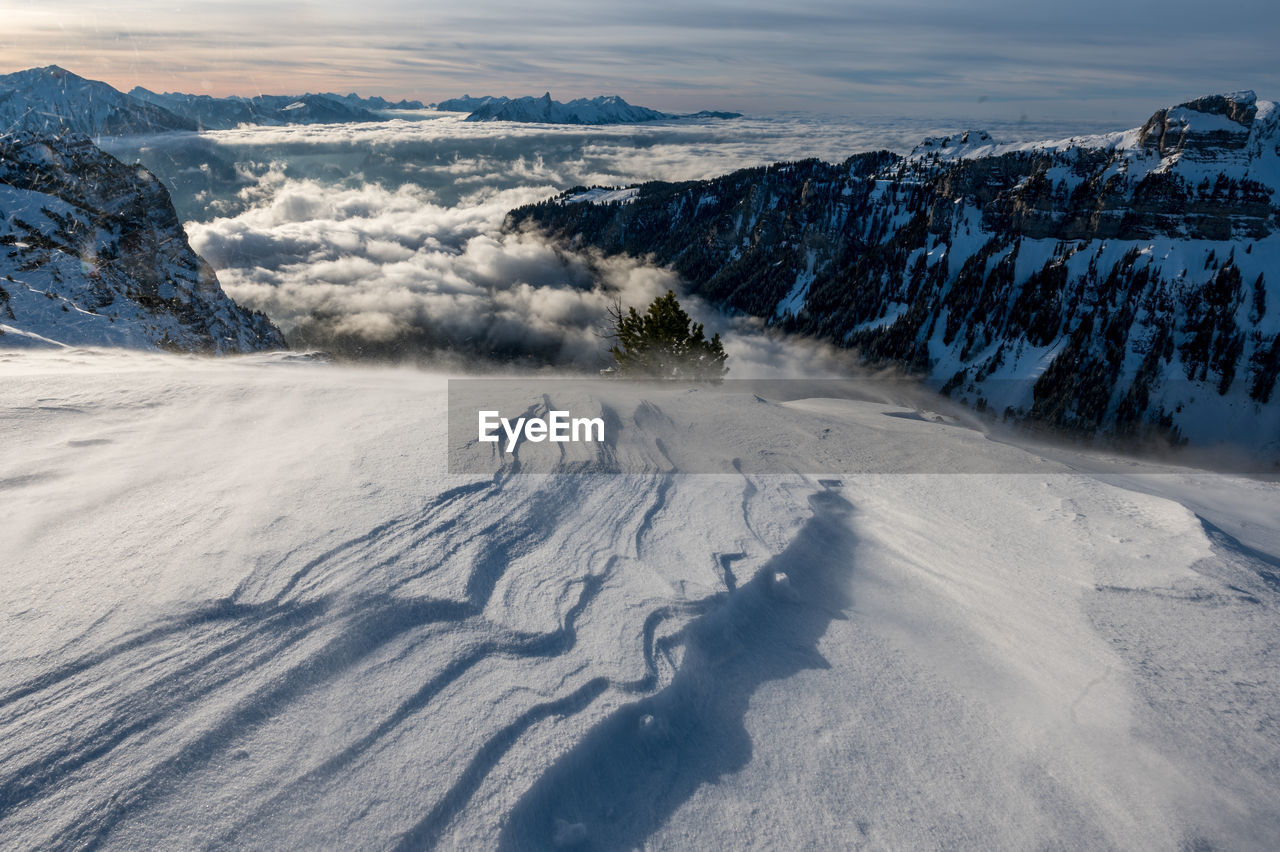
466 103
211 113
54 100
92 254
606 109
1127 283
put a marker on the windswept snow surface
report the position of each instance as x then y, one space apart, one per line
604 195
245 605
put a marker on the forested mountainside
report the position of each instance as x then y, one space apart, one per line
1123 283
93 254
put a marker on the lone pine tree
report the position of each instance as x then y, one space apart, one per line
664 342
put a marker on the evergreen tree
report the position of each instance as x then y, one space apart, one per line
664 343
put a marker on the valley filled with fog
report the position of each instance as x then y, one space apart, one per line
386 240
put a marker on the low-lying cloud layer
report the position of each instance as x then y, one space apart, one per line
453 158
383 273
379 272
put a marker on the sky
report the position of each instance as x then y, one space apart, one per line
981 58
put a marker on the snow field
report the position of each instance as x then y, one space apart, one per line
247 605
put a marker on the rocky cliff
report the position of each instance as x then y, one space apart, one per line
92 254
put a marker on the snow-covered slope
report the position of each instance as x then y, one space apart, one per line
600 195
606 109
245 606
92 254
1125 283
52 100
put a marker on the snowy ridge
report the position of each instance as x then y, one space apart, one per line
370 652
1123 284
92 254
1234 134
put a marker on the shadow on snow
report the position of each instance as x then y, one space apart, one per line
631 772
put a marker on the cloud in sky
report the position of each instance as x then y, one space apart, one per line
985 57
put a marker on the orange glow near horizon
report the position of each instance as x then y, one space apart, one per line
234 74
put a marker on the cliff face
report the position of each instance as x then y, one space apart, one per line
1121 283
92 254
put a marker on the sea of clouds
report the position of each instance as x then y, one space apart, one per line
386 240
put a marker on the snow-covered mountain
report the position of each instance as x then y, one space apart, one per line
210 113
53 100
1126 283
248 606
92 254
606 109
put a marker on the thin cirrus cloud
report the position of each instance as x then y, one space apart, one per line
986 57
